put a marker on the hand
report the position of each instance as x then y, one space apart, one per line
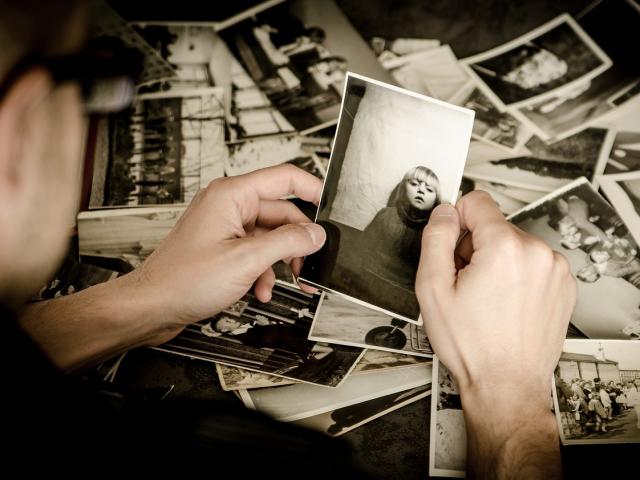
228 238
496 309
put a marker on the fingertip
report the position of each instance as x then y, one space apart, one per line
316 233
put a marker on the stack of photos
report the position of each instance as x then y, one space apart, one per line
597 392
537 122
269 338
396 155
603 255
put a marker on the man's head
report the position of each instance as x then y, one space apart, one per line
40 142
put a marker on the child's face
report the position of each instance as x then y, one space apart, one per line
420 194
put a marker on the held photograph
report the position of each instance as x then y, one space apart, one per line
553 57
268 338
597 392
577 222
396 156
623 191
343 322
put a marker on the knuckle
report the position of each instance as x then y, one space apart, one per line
509 243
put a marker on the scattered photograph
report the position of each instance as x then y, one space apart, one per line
603 255
491 125
435 72
597 392
555 56
625 154
396 155
345 419
547 167
376 360
448 434
390 51
269 338
127 234
624 95
343 322
234 378
253 154
298 54
623 191
161 150
295 402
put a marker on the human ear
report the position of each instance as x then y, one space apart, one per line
19 104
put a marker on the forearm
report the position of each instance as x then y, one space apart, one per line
510 436
83 329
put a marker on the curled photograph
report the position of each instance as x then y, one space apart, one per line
396 156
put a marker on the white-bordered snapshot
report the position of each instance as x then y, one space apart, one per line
623 191
625 153
491 125
294 402
343 420
343 322
546 167
553 57
236 378
397 154
448 433
597 392
576 221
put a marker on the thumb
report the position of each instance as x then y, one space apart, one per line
437 257
291 240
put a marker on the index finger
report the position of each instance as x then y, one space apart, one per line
274 183
480 215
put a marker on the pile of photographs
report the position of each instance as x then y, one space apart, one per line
546 123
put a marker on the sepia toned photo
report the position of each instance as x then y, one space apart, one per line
298 54
576 221
396 156
435 73
128 234
546 167
448 434
597 392
162 150
555 56
625 153
376 360
490 124
343 322
268 338
295 402
623 191
345 419
234 378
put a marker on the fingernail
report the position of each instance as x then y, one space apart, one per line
316 232
444 210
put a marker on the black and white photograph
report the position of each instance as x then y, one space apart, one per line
263 152
234 378
376 360
576 221
298 54
625 153
546 167
625 94
345 419
597 392
396 156
491 125
435 73
269 338
343 322
623 192
128 234
448 435
553 57
162 150
302 400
